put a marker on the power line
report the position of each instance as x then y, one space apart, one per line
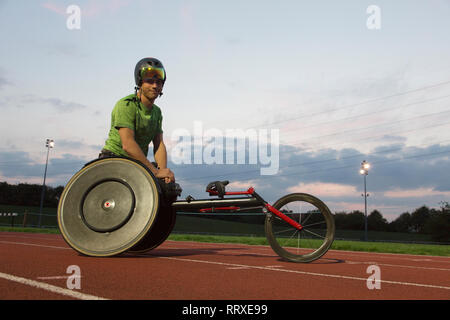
312 163
357 104
371 113
375 126
376 162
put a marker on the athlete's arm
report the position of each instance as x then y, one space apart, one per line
159 151
131 147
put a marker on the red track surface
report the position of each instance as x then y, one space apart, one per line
33 266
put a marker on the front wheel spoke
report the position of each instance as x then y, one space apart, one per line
293 234
314 224
307 219
285 230
316 234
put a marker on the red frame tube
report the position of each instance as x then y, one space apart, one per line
218 208
251 191
280 214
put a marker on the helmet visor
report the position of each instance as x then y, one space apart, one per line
152 72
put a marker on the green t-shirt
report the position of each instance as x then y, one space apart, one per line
130 113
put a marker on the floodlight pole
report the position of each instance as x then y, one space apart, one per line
365 171
365 209
49 144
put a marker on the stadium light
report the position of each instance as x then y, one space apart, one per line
365 171
49 143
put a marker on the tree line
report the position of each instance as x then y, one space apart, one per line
435 222
29 195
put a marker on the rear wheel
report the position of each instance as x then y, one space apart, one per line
161 229
108 207
305 245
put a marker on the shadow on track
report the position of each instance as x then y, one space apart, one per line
319 261
163 252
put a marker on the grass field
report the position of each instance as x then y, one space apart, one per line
383 247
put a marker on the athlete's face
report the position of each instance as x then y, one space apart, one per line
152 87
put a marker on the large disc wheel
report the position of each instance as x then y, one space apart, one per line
311 242
108 206
161 229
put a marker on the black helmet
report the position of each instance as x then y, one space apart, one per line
150 63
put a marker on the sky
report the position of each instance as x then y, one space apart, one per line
316 86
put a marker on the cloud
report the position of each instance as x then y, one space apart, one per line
394 138
4 82
324 189
16 163
59 105
415 193
95 8
65 49
91 9
19 166
76 144
57 8
242 185
62 106
343 206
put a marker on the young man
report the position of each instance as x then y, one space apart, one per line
136 121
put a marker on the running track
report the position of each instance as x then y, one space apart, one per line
34 266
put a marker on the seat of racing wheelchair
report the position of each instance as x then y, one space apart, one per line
217 188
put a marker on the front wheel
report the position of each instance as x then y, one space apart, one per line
308 244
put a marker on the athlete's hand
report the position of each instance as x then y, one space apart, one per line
167 174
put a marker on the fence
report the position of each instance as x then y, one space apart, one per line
27 219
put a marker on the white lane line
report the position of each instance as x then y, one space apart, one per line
34 245
385 255
307 273
331 253
58 277
346 261
397 265
401 256
49 287
36 237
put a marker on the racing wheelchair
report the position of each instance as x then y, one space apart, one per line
115 205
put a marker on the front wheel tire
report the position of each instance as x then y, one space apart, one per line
308 244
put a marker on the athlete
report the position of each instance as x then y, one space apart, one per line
136 121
